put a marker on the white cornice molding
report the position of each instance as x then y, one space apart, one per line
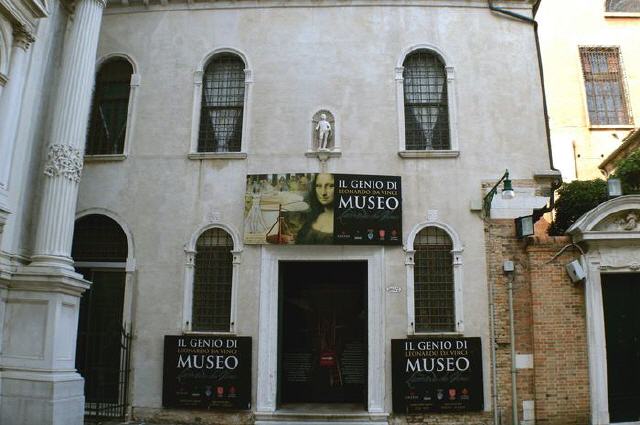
115 6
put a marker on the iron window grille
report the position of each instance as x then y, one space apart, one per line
98 238
108 120
426 109
433 281
212 282
627 6
607 100
222 105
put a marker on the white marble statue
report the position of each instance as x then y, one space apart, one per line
324 129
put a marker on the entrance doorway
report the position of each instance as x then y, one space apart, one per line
100 252
323 332
620 296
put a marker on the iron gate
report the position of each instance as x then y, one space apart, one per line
105 367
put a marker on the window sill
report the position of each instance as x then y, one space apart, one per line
217 155
622 14
209 333
105 158
429 154
611 127
424 334
334 153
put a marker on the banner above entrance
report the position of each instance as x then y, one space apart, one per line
340 209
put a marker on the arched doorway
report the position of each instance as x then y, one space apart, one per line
100 252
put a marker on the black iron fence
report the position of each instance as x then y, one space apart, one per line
105 366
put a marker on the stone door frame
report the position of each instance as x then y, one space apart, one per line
267 376
611 248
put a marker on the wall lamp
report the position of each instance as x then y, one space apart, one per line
614 188
507 193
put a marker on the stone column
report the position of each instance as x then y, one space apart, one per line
66 142
39 382
10 105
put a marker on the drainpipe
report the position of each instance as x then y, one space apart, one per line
494 362
509 270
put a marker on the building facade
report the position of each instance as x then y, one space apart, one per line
214 130
591 79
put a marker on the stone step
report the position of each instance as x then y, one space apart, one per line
337 417
281 422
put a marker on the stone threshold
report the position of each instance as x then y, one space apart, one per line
321 414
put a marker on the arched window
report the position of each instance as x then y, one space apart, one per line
434 291
212 282
222 105
109 111
426 109
629 6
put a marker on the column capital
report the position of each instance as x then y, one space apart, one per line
64 160
22 37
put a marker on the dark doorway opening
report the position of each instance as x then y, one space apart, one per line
103 348
620 297
323 332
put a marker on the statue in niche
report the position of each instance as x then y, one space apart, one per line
323 130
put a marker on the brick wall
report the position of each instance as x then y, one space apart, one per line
549 324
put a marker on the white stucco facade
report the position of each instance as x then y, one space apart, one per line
300 58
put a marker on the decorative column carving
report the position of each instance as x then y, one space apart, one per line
67 138
10 105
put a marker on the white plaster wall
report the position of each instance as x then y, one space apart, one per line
564 26
301 58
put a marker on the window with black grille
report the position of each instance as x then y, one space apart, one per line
604 84
222 105
108 120
97 237
212 282
433 281
426 112
630 6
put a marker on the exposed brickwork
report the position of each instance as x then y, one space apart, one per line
549 324
501 245
560 338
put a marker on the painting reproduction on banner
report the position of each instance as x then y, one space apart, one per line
323 208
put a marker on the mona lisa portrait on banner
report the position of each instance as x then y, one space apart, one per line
323 209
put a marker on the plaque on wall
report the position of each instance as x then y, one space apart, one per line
322 208
207 372
437 375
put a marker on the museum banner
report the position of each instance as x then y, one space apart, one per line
437 375
311 209
207 372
